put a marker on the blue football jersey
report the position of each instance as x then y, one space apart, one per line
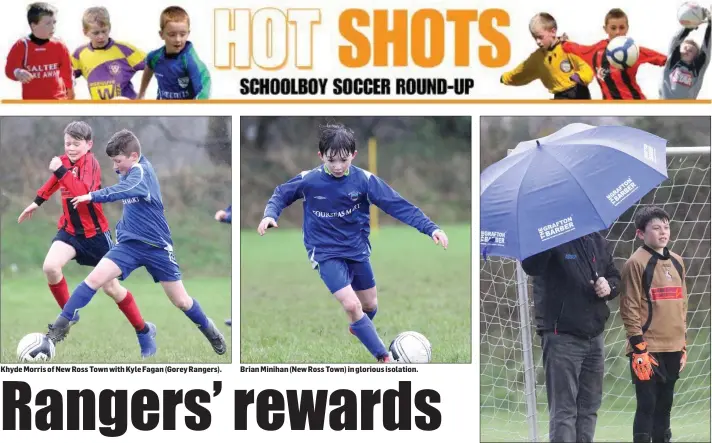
336 211
143 217
181 76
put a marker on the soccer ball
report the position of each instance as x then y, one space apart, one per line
411 347
691 15
622 52
35 347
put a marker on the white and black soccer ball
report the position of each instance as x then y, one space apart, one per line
622 52
411 347
35 347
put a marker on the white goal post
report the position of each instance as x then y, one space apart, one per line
512 391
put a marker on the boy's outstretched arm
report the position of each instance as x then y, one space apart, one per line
523 74
703 58
134 185
199 75
43 194
283 196
651 56
393 204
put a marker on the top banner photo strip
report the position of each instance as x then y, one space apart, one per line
454 52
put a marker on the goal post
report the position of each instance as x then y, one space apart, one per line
512 390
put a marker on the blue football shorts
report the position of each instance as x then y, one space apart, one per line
339 273
132 254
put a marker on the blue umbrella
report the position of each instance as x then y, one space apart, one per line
558 188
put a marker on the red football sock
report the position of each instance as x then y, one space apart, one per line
60 292
130 309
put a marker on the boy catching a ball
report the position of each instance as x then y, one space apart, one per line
337 198
565 75
654 311
686 63
615 84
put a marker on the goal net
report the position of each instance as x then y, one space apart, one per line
513 395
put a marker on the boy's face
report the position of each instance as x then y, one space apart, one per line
688 52
98 35
175 34
337 164
544 38
615 27
74 148
656 234
123 162
44 28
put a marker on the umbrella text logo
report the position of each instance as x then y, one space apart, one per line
649 153
492 238
619 194
556 229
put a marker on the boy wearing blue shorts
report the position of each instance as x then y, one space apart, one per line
143 239
337 198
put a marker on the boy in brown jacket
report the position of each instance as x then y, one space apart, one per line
654 311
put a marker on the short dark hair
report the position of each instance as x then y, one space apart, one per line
615 13
123 142
337 140
35 12
79 130
648 213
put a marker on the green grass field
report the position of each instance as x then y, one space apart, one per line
287 315
103 335
689 423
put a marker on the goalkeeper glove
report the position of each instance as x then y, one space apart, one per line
642 362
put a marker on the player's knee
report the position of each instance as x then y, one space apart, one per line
369 304
52 269
181 301
114 290
352 306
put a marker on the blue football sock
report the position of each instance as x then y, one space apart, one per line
366 332
196 315
81 297
371 314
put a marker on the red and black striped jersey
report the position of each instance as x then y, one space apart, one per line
72 180
615 84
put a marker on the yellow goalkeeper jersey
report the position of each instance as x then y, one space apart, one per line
553 67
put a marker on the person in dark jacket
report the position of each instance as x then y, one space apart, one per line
572 284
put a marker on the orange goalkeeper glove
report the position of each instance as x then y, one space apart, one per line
642 362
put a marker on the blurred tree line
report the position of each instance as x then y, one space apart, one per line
426 159
191 155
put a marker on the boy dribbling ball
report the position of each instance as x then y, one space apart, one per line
653 307
143 240
337 197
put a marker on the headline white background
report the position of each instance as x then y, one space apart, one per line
652 24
